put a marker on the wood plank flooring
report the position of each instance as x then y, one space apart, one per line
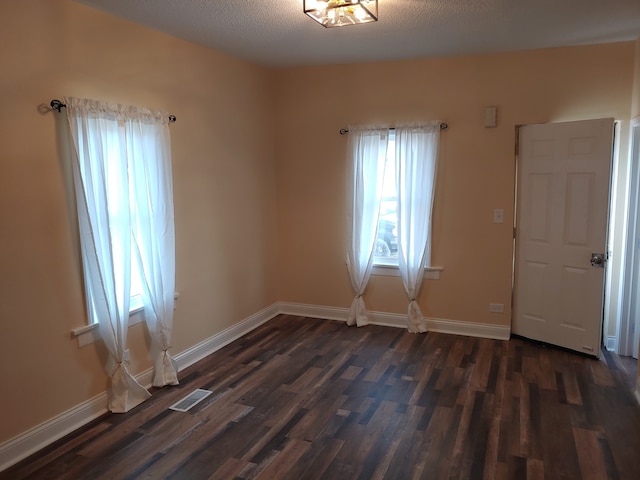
302 398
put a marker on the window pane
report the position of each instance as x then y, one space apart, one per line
386 248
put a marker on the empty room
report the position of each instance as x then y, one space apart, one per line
343 239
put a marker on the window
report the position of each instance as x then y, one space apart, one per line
119 217
135 292
122 177
392 173
386 246
125 207
385 252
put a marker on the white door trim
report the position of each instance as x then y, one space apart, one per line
626 339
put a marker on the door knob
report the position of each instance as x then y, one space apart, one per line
597 260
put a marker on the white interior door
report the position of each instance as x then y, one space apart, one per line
563 205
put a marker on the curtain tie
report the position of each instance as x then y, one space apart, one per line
118 365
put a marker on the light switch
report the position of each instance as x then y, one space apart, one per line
498 215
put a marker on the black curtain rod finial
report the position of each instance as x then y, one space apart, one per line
57 105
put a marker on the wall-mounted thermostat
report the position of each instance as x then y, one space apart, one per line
491 117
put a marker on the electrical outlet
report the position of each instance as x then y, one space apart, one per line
498 215
496 308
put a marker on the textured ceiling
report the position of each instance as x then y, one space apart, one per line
277 33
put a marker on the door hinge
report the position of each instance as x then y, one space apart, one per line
514 233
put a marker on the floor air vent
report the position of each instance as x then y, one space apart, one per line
190 400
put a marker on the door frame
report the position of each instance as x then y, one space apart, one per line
626 337
607 265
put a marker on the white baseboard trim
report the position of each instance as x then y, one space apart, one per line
20 447
438 325
470 329
313 311
219 340
34 439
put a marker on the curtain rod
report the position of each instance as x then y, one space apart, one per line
58 105
443 126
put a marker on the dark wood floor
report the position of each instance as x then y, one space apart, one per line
300 398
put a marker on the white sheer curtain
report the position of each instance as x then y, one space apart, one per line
416 162
367 152
154 239
107 138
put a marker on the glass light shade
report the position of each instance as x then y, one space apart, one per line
338 13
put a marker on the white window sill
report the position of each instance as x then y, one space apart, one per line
88 334
391 270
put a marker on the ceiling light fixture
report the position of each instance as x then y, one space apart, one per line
338 13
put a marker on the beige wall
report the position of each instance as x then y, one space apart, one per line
476 168
224 185
235 254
